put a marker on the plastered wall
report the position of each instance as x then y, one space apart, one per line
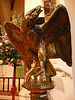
70 4
6 12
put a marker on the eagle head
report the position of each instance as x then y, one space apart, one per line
30 18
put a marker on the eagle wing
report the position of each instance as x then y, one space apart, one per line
57 35
24 38
22 42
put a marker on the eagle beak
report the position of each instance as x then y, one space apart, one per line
39 9
35 11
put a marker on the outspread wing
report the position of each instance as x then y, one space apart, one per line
57 34
24 38
22 43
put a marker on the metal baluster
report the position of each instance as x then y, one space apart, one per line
3 83
8 84
19 85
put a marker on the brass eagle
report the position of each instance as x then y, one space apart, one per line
37 44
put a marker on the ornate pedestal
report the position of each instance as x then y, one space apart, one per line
38 87
38 81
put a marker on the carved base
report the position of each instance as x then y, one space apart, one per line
37 84
37 88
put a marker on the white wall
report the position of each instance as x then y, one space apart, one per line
70 5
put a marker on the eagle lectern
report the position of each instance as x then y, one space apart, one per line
36 44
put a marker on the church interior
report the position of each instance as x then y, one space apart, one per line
10 77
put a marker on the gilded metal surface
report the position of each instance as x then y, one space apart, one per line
36 44
35 81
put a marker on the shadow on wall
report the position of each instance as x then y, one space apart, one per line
50 97
59 85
